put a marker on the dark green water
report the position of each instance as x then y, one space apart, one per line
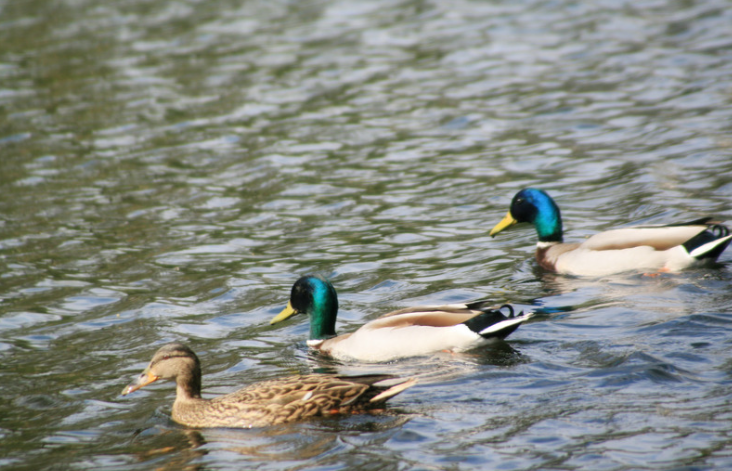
169 168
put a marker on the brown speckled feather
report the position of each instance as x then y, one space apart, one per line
270 402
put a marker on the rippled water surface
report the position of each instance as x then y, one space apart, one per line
169 168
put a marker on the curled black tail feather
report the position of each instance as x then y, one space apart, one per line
719 230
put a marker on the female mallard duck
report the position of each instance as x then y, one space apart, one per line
404 333
267 403
663 248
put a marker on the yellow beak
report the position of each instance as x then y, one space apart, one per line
285 314
507 221
143 380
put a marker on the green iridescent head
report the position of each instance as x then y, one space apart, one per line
538 208
316 297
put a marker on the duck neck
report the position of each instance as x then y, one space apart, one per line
323 313
548 224
322 324
188 385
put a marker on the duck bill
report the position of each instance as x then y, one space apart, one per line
143 380
285 314
507 221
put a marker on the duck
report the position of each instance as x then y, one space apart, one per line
266 403
408 332
652 248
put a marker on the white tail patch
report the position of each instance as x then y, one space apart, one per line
709 246
499 326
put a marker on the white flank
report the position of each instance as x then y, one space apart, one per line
607 262
385 344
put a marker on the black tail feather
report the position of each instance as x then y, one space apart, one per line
491 317
705 221
714 232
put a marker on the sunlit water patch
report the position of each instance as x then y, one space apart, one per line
169 170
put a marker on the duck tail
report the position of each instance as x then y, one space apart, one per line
494 324
393 391
378 388
710 243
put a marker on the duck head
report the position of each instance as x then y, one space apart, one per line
538 208
174 361
316 297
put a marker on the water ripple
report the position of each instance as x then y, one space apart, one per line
170 170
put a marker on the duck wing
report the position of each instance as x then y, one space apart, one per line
657 237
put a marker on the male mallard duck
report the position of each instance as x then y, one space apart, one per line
663 248
403 333
267 403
